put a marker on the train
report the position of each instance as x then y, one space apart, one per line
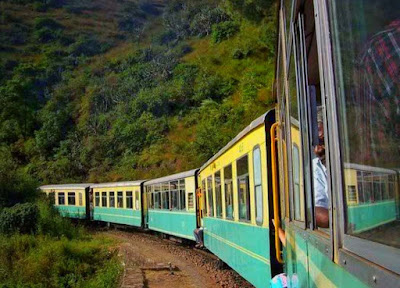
308 194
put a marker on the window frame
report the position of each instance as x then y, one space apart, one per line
216 195
182 192
111 196
210 195
58 198
232 192
97 199
122 198
248 202
104 196
137 200
350 250
258 185
129 197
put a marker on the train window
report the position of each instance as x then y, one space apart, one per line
242 166
298 193
157 196
104 199
190 200
165 195
150 196
369 126
71 198
228 192
203 185
174 195
120 199
218 196
258 185
137 203
112 199
210 197
97 199
61 198
129 200
182 194
80 199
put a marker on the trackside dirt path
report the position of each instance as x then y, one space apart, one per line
152 262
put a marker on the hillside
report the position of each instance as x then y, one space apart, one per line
114 90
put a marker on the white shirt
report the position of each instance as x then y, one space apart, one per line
321 198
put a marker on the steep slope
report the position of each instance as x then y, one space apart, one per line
109 90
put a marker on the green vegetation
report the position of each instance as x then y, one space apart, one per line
39 248
115 90
99 90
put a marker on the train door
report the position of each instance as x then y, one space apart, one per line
199 206
146 199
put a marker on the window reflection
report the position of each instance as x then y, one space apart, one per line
366 47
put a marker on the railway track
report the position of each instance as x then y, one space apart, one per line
151 261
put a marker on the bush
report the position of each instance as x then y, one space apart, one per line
39 261
51 223
89 46
202 22
20 218
223 31
45 22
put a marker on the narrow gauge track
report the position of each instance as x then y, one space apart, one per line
151 261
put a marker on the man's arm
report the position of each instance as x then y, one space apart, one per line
322 217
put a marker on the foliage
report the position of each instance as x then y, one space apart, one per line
224 30
40 261
135 89
51 223
15 185
20 218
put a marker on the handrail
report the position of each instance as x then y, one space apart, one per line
275 192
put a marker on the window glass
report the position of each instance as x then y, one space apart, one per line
174 195
104 199
150 196
112 199
97 199
228 192
258 185
157 196
71 198
182 193
243 188
366 48
61 198
218 196
191 200
129 200
210 197
137 200
120 200
165 196
298 193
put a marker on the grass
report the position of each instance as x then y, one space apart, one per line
58 254
42 261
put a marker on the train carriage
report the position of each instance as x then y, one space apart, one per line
70 199
118 202
236 206
171 204
337 88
